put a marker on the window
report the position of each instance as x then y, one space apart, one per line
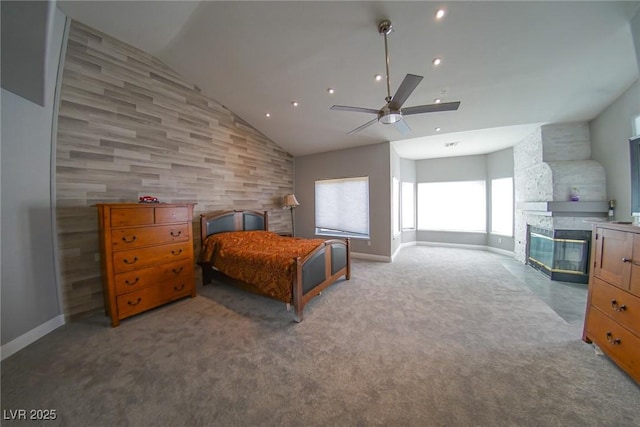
408 206
452 206
396 206
342 207
502 206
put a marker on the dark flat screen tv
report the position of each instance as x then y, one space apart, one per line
634 145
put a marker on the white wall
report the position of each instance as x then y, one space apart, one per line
30 305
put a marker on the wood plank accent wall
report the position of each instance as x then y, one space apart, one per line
129 126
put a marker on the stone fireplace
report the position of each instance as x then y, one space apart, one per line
553 168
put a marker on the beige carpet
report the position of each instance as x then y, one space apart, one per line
441 337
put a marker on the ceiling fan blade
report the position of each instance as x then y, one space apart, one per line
358 129
407 87
431 108
354 109
402 126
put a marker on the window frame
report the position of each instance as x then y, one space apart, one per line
491 228
396 228
412 211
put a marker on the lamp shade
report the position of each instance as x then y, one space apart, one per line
290 201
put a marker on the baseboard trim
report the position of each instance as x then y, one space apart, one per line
501 251
30 337
465 246
370 257
402 246
392 258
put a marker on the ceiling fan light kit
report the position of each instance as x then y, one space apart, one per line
391 112
388 116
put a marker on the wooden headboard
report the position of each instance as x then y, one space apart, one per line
236 220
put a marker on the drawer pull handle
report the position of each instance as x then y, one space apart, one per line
618 307
134 303
178 270
174 252
613 341
625 259
176 234
126 281
135 259
131 239
178 288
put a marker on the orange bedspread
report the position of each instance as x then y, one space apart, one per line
261 258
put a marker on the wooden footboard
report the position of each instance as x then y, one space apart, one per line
318 270
313 273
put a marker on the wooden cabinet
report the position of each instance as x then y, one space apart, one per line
613 257
612 319
147 256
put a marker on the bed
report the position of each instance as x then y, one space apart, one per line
238 249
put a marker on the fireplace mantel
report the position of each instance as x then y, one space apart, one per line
572 209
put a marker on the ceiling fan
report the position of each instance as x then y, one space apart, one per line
392 112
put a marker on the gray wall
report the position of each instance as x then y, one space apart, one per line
372 161
405 171
467 168
24 44
29 290
635 33
463 168
610 133
396 172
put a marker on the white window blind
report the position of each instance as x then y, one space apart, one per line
502 206
342 206
408 206
452 206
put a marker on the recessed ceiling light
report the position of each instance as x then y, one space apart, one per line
295 103
378 77
268 114
437 129
436 61
331 91
440 13
437 101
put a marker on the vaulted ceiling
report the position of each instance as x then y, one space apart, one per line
512 65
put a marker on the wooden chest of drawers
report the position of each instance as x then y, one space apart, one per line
613 306
146 254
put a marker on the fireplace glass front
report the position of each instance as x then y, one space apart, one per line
560 254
